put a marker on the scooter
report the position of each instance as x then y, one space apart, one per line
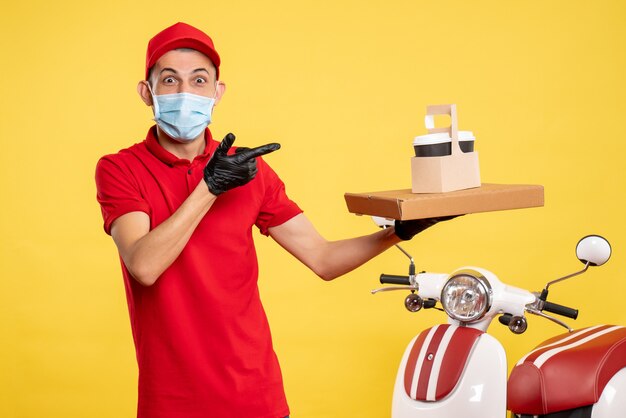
458 370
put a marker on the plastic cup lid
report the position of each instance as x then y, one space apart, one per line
430 139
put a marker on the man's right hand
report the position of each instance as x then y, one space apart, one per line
224 172
406 230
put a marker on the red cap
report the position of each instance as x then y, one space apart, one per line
181 35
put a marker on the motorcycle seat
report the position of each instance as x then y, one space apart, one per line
568 371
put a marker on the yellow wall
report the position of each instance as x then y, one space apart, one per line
343 86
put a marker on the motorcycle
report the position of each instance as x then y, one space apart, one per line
457 369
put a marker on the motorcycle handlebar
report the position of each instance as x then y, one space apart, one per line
393 279
560 310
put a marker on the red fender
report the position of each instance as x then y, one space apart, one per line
437 360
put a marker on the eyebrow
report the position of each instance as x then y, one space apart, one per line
197 70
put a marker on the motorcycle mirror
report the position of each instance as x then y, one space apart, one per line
594 250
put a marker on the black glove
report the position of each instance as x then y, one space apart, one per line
405 230
224 172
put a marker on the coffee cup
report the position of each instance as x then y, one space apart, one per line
466 141
440 144
432 145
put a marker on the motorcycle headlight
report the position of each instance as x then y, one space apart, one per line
466 296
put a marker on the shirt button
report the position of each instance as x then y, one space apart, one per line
189 171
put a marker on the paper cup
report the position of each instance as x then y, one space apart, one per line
432 145
466 141
440 144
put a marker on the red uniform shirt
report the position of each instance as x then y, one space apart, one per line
202 339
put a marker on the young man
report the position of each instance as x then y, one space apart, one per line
180 207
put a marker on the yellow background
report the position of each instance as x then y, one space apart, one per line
343 86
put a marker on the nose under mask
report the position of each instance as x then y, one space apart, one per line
183 116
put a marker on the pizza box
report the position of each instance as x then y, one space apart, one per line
404 205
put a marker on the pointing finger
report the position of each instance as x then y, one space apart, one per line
255 152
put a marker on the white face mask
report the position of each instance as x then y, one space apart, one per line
183 116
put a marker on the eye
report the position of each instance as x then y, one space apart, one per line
169 80
200 80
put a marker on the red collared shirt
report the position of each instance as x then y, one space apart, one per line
202 339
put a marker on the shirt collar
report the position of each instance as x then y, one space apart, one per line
170 159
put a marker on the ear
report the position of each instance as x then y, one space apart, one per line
144 92
221 89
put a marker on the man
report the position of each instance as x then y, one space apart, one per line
180 208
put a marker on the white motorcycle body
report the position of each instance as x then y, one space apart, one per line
452 369
446 373
612 402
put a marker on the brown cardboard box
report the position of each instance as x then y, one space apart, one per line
403 205
456 171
